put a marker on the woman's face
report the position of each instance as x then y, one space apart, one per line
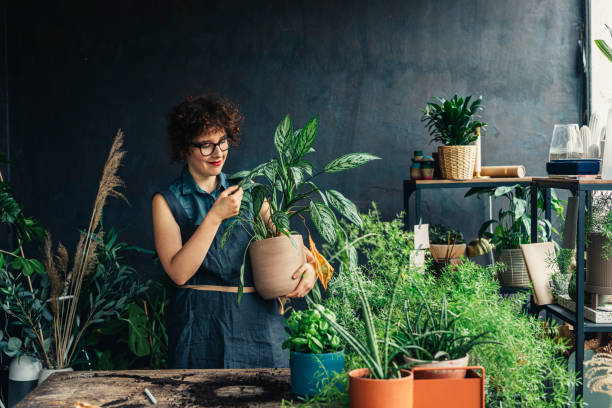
214 142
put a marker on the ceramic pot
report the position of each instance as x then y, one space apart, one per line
599 269
274 261
311 372
23 378
515 273
367 392
452 253
46 372
438 374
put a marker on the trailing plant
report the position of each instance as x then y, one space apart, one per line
453 122
605 49
513 224
285 185
437 337
443 235
308 332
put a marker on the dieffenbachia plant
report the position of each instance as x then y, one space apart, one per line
286 184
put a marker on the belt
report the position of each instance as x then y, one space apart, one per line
230 289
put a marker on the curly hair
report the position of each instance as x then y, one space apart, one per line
201 114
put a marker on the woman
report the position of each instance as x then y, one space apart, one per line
206 328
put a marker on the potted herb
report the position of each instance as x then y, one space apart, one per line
446 244
454 124
285 185
436 341
316 353
599 246
382 383
512 228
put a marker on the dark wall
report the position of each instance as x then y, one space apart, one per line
78 71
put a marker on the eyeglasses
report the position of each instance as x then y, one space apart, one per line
207 148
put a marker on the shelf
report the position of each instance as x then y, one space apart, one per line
481 182
574 185
570 317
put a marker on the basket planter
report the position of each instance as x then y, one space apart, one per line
599 269
515 273
438 373
450 253
465 392
274 261
372 393
457 162
311 372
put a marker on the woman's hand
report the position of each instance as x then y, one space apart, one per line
228 203
308 277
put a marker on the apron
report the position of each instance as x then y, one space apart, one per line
207 329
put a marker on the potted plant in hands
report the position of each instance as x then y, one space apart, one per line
281 189
446 244
436 341
316 351
382 383
454 123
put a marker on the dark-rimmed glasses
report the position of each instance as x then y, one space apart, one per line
207 148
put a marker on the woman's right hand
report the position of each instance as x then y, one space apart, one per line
228 203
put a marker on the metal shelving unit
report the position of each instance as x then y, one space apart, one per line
582 190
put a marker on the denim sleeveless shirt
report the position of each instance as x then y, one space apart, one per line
207 329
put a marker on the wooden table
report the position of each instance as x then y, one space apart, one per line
172 388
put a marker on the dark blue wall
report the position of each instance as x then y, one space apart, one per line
78 71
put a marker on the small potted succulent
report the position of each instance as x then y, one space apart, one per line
454 124
446 244
382 383
284 185
436 341
316 353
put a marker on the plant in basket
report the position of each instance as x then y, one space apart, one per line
284 185
454 123
316 353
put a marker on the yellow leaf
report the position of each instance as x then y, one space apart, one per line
323 268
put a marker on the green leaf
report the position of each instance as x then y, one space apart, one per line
604 48
14 343
281 220
324 220
500 191
138 340
228 232
282 136
344 206
258 195
306 138
300 171
239 174
349 161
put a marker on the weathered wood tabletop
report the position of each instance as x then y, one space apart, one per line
171 388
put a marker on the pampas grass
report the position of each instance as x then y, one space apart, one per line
66 285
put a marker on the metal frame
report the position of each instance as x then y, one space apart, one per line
583 192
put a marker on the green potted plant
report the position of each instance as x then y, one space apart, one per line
285 184
436 340
598 279
316 353
446 244
512 228
454 123
382 383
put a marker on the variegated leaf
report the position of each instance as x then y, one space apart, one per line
349 161
324 220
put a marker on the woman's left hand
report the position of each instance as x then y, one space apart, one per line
308 275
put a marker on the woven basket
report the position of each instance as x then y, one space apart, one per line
457 162
515 273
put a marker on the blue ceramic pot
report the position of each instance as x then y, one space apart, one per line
311 372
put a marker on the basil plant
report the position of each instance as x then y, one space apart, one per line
286 183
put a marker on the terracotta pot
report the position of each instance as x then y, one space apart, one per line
274 261
438 374
465 392
599 269
451 253
372 393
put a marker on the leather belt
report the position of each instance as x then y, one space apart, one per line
229 289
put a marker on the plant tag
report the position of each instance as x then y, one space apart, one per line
421 237
417 258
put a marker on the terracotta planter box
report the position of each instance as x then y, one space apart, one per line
465 392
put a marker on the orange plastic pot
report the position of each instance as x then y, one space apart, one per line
465 392
367 392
